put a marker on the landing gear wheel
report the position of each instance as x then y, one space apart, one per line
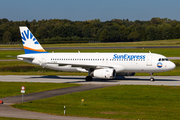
151 79
88 78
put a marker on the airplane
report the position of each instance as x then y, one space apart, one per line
97 65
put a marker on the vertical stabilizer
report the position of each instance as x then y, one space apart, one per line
30 43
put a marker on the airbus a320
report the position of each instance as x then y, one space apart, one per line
97 65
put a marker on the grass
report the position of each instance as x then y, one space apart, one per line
9 89
170 52
23 68
171 42
130 102
9 118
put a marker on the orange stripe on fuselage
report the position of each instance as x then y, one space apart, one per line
39 50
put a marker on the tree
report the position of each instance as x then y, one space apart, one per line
7 37
133 36
176 32
151 33
104 37
114 36
166 33
87 32
94 32
156 21
123 33
1 34
41 33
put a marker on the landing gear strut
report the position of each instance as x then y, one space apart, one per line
88 78
151 78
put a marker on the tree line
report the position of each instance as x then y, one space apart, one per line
67 31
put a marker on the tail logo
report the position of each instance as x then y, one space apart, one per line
30 43
28 36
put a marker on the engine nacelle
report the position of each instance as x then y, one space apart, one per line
125 74
106 73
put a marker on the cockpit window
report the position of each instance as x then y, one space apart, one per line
163 59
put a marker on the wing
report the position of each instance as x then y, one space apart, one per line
86 66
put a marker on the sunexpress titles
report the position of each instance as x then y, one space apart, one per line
126 56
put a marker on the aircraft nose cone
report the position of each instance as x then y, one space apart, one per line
172 66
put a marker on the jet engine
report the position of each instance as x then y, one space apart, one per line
106 73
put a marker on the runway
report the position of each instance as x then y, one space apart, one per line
130 80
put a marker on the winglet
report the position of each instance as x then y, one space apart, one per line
30 43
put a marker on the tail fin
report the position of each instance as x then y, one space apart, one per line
31 45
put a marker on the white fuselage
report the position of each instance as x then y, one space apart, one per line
121 62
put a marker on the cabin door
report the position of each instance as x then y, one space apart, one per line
149 60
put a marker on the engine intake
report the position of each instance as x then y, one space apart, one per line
107 73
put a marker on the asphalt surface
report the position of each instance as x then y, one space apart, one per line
129 80
7 111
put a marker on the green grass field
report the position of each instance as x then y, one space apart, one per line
8 118
124 102
13 88
168 52
171 42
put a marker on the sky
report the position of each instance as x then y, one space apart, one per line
82 10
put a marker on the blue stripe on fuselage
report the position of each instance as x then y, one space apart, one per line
27 51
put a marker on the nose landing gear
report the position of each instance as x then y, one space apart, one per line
151 78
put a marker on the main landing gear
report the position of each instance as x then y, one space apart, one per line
151 78
88 78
